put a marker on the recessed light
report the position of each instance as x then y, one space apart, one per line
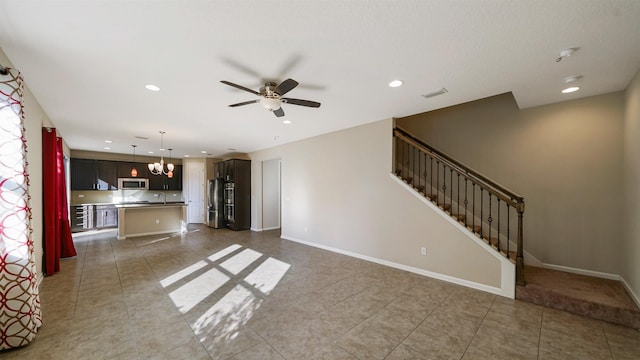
152 87
108 141
149 152
186 156
571 89
203 152
286 121
396 83
107 148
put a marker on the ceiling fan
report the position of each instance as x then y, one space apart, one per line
271 96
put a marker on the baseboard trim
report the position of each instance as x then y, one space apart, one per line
578 271
633 295
447 278
256 229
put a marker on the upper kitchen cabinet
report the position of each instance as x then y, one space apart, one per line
162 182
124 169
83 174
107 175
175 183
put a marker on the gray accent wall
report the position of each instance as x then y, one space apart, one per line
566 159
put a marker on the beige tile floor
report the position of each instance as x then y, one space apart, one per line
219 294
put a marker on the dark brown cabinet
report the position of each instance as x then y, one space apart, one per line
162 182
107 177
83 174
89 174
237 193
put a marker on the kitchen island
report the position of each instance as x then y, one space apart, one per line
140 219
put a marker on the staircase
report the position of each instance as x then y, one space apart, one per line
487 209
494 214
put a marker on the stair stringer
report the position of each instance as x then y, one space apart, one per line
508 269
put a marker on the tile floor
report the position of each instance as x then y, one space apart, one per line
219 294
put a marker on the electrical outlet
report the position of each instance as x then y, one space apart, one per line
423 251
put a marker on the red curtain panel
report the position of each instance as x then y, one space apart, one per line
58 242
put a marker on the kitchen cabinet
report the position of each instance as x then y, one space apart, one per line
107 178
89 174
83 174
175 183
124 169
106 216
162 182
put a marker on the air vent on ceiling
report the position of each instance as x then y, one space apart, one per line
141 137
435 93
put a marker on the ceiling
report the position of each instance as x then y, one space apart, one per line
87 63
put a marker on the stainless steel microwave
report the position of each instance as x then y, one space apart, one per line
133 184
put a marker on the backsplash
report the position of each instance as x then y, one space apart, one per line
123 196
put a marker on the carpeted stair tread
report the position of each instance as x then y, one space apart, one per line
593 297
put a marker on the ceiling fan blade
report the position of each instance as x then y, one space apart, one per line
279 112
285 87
245 103
240 87
300 102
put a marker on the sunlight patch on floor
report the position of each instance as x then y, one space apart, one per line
182 273
266 276
224 252
240 261
190 294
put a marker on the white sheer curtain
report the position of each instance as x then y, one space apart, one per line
20 314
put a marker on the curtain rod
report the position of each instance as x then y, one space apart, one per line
3 70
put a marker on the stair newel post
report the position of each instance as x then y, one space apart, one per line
520 251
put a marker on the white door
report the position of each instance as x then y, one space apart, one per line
195 193
271 194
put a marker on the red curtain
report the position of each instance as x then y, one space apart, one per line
58 242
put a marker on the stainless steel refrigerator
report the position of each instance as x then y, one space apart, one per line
215 204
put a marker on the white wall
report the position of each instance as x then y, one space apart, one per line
565 159
337 193
631 209
35 119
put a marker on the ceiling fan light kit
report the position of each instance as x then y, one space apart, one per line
271 96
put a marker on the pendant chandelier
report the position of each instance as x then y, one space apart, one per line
157 168
134 171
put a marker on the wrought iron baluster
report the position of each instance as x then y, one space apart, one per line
508 231
444 187
498 228
466 201
437 181
425 173
458 199
481 210
490 219
473 207
451 189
